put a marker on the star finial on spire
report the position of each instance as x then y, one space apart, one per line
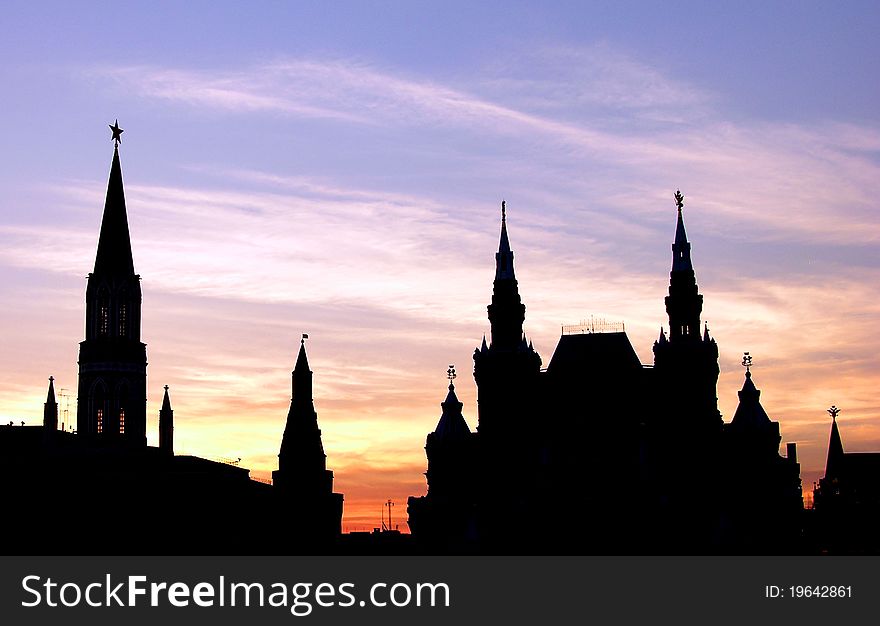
747 361
833 411
679 199
117 132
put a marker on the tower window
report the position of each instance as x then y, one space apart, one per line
100 420
103 318
122 320
121 421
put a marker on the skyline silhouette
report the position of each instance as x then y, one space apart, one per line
339 172
672 476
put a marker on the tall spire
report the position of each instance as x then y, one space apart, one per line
507 312
684 304
833 464
504 256
301 445
114 244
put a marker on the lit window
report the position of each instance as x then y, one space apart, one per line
122 312
100 420
103 318
121 421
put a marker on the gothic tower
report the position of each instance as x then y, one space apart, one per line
111 400
304 483
687 362
506 369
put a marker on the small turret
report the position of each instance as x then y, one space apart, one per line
166 426
50 408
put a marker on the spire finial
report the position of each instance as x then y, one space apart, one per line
747 362
833 411
166 387
503 211
51 379
117 132
679 199
451 375
302 341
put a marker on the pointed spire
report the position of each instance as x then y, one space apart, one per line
662 338
166 425
50 409
504 257
50 397
681 249
114 244
166 401
302 361
833 464
706 337
484 347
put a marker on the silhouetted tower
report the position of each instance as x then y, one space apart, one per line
302 464
449 450
111 401
687 362
506 369
50 408
166 425
763 499
309 508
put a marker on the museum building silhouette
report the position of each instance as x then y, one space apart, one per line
631 458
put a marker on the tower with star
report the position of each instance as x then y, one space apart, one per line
111 399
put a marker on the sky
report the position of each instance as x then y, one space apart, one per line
337 169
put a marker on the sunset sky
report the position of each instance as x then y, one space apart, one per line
337 169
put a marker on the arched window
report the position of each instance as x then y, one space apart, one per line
98 403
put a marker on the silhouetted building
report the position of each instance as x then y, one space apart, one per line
847 499
448 511
102 490
111 401
630 458
763 502
302 479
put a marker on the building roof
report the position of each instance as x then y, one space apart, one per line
593 352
